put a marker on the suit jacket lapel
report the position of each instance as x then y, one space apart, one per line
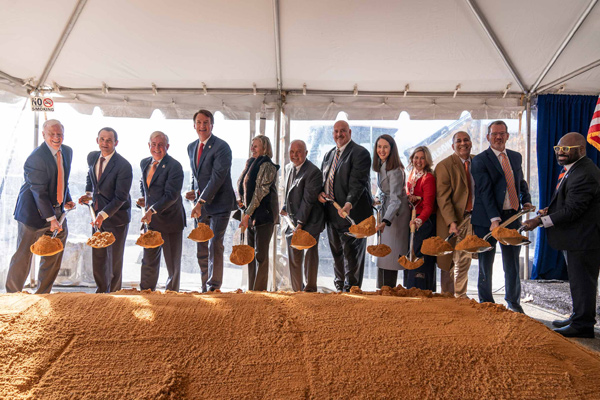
159 168
494 160
92 170
108 168
461 167
205 150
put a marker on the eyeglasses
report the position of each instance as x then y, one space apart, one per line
565 149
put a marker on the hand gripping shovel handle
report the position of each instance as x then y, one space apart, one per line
459 227
511 220
93 215
337 207
60 222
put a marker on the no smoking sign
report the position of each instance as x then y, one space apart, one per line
42 104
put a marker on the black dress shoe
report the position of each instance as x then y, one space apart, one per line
516 308
569 331
561 323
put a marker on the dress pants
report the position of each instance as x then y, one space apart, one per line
583 267
20 263
310 257
348 258
462 264
107 263
151 262
259 237
424 276
510 263
386 277
210 254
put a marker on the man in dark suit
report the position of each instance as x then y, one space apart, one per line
107 185
572 222
346 176
42 200
303 185
211 188
500 190
161 184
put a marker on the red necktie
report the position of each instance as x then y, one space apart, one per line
200 148
510 183
469 207
60 179
151 173
100 168
560 177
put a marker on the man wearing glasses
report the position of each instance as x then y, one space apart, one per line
572 222
500 191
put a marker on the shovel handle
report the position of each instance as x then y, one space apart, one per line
413 216
337 207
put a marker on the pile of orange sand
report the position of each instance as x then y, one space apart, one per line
101 239
366 227
407 264
435 245
46 245
241 254
500 233
150 239
302 239
202 233
133 345
379 250
471 243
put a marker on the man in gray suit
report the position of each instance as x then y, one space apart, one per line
303 185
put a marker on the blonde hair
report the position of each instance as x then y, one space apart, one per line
266 144
428 158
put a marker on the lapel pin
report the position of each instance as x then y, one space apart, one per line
163 165
209 147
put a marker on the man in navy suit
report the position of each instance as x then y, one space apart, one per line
500 190
304 182
42 200
107 184
161 184
346 180
572 222
211 188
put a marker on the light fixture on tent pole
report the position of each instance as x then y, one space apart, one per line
104 88
456 90
254 88
406 89
154 89
204 88
356 89
506 90
561 88
55 87
263 119
304 89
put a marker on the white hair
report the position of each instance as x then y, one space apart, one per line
158 133
301 142
52 122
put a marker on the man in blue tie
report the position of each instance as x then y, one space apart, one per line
43 198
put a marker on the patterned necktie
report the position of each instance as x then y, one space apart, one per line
151 173
60 179
510 183
200 148
332 173
560 177
100 164
469 207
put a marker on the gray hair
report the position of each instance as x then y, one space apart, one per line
158 133
301 142
52 122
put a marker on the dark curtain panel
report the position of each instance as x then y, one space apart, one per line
557 115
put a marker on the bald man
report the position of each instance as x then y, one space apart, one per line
303 185
346 180
572 223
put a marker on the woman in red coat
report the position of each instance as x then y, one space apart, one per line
421 184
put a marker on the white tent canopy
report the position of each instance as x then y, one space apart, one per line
378 58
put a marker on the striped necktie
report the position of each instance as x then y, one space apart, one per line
332 173
560 177
60 179
510 183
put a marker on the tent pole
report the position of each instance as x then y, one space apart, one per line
277 45
528 177
490 34
277 158
569 76
61 41
563 45
36 135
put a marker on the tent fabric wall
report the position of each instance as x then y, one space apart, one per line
557 115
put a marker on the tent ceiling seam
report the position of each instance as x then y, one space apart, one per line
61 41
569 76
490 34
563 45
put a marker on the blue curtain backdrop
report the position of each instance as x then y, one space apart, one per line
557 115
